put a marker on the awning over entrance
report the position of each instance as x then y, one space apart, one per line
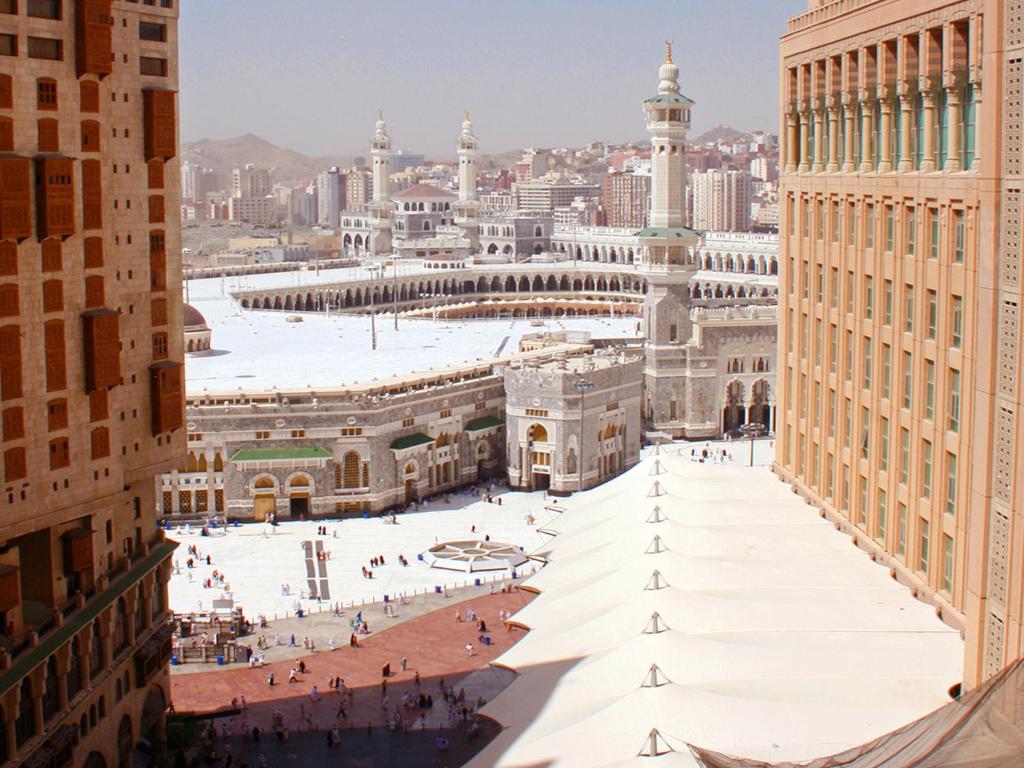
281 454
410 441
484 422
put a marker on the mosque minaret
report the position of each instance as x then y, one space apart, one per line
381 206
667 256
467 207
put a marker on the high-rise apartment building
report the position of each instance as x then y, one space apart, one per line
250 181
189 172
721 200
91 390
330 188
627 198
358 189
900 336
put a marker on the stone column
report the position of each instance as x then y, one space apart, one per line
792 137
804 165
928 143
848 102
953 128
833 134
906 162
885 148
818 115
866 129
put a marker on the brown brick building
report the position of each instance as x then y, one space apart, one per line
900 295
90 373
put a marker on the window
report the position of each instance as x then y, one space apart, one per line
159 346
947 563
883 443
833 287
8 45
837 222
851 232
887 303
44 9
953 423
933 312
8 6
886 369
904 455
957 322
408 422
833 347
298 433
908 379
263 435
850 293
922 553
869 296
150 65
926 469
45 48
90 136
56 368
951 476
89 96
958 237
901 538
869 226
929 389
880 528
46 93
908 309
60 453
865 432
890 227
152 31
867 363
911 238
933 233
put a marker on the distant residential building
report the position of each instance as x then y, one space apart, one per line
764 168
627 199
188 181
496 202
721 200
546 197
404 159
533 165
357 189
207 182
258 211
250 181
330 189
303 206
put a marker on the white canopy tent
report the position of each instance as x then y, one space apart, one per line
705 604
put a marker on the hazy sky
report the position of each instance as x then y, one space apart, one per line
311 74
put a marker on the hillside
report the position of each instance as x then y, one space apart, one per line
718 133
285 164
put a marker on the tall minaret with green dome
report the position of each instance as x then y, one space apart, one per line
381 207
667 258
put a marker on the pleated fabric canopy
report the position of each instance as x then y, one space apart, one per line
701 604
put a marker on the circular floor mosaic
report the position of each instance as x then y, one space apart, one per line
474 555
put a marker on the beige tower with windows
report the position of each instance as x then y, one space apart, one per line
900 296
90 374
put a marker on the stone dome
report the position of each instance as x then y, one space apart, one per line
193 317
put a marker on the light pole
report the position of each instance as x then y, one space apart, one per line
582 386
373 320
751 430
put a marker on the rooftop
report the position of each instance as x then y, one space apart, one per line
423 191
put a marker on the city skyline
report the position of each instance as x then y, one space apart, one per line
423 84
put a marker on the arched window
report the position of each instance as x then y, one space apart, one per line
140 610
158 593
120 627
51 690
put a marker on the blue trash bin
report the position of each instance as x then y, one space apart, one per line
387 598
476 582
366 515
514 575
220 661
420 557
437 589
174 660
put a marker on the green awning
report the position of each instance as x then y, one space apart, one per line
484 422
410 441
666 232
281 454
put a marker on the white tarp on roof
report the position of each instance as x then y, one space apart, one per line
706 604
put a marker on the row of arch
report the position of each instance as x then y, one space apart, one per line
337 298
748 265
727 291
608 254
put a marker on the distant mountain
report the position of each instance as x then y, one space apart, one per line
286 164
718 133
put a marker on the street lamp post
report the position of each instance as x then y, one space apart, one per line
582 386
373 312
751 430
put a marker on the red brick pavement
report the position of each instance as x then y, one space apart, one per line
434 644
